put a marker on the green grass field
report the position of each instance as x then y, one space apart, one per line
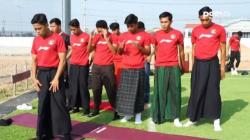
235 92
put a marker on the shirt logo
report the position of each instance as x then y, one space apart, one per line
101 43
77 44
82 40
213 31
130 42
45 48
205 36
138 38
166 41
173 36
51 42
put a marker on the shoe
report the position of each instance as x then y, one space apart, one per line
125 119
217 126
86 112
116 116
75 110
24 107
96 112
177 123
189 123
138 118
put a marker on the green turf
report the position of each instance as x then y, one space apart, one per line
235 94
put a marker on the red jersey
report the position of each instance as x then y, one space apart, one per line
234 43
79 45
47 50
132 57
167 47
103 55
207 40
117 57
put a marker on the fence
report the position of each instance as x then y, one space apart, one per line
14 76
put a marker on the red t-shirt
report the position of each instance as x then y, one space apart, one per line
103 55
47 50
207 40
234 43
150 39
132 57
167 47
79 45
117 58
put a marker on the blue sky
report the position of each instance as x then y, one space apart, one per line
16 14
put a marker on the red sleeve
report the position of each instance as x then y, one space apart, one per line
155 40
33 49
87 38
120 38
181 39
60 45
147 41
231 40
193 37
95 40
223 36
114 39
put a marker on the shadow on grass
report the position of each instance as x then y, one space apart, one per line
231 107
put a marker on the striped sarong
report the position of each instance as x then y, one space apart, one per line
166 101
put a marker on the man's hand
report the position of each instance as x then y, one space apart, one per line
92 34
36 84
148 59
54 85
105 34
222 73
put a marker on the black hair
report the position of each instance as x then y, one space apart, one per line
205 9
101 24
113 26
131 19
141 25
39 18
166 14
57 21
74 23
239 33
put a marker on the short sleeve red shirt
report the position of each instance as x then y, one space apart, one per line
167 47
234 43
79 44
132 57
207 40
103 55
117 57
47 50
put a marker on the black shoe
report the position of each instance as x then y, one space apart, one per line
96 112
116 116
76 110
86 112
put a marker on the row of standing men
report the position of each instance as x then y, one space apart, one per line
119 64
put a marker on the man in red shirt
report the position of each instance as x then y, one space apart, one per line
104 44
141 28
55 27
169 44
205 100
234 44
79 68
48 60
115 27
130 95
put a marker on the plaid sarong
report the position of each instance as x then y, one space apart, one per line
130 95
